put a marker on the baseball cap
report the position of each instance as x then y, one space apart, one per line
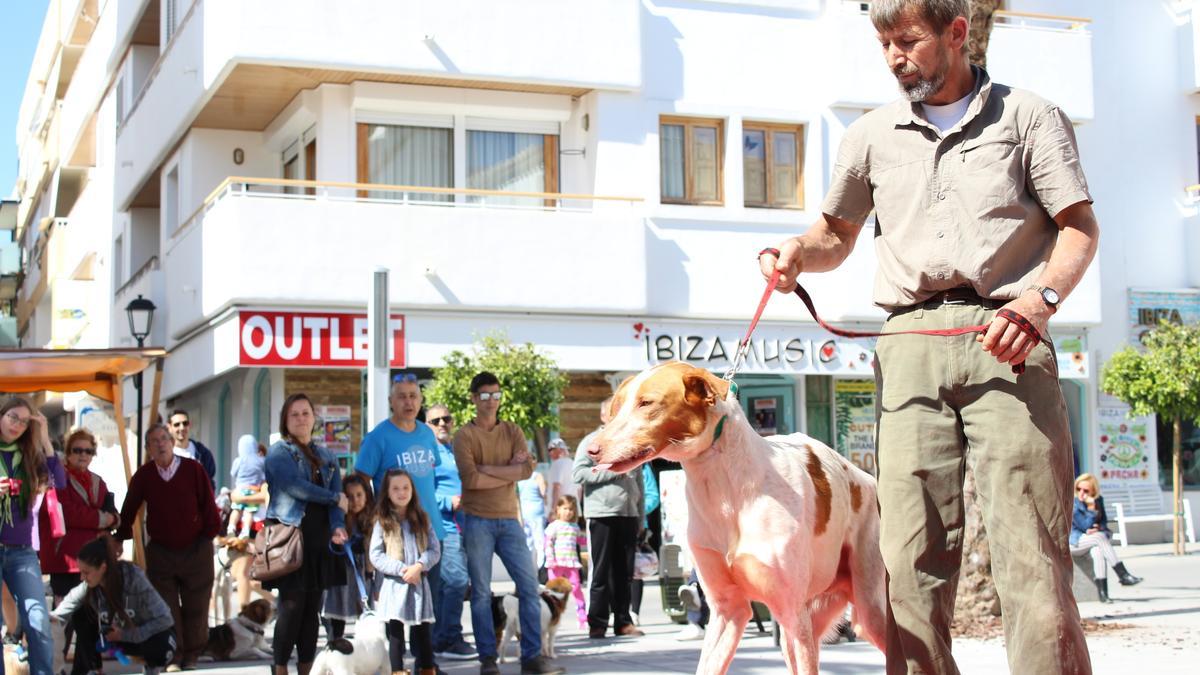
558 443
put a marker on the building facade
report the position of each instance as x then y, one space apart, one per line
591 177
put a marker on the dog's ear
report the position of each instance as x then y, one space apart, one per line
701 387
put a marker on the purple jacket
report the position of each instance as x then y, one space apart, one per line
20 533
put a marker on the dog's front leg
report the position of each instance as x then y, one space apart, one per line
800 649
729 615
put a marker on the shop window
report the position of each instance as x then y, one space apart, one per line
1190 455
772 161
691 160
262 407
818 407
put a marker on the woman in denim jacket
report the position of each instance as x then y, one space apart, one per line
306 492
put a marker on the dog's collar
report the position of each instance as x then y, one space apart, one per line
731 396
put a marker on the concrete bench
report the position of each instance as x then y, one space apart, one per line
1143 503
1083 581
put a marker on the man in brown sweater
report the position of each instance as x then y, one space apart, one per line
181 521
492 456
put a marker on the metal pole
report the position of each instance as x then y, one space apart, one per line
137 384
378 356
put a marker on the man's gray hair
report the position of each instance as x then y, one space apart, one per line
157 426
939 14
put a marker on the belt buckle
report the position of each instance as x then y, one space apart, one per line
947 300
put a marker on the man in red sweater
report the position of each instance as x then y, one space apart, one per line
181 521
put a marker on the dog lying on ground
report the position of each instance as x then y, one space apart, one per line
243 636
366 654
784 520
505 616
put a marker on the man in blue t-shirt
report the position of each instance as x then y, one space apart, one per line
448 639
401 442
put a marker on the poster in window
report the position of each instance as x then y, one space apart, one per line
764 411
334 428
1126 448
854 418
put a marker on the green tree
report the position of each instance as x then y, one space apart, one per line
1163 380
531 382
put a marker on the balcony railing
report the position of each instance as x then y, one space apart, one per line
404 195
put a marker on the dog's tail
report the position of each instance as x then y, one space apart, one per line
340 645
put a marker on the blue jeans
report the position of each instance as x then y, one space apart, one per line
505 538
448 599
23 576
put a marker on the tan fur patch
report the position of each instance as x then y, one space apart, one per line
855 497
822 493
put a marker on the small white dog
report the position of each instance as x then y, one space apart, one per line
366 654
505 614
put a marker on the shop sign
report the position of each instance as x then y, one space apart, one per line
854 421
1071 351
1148 308
312 339
1127 447
767 352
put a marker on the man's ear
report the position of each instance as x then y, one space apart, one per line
702 387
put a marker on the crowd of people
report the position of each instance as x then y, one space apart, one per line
409 534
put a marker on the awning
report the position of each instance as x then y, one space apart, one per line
96 371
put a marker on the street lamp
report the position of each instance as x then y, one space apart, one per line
141 317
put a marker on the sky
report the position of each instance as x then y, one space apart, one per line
20 26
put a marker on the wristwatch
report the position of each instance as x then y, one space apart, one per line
1049 296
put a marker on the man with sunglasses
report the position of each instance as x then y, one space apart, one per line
492 456
185 446
448 641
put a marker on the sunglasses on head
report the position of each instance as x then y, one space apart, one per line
83 450
489 395
444 419
404 377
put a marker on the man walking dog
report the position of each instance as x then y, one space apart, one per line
980 204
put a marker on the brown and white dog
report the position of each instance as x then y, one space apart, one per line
243 636
505 616
784 520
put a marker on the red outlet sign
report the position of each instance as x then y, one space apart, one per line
312 339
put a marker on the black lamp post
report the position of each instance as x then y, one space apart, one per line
141 318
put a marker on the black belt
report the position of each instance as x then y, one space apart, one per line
961 295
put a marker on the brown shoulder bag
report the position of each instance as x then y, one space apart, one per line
278 550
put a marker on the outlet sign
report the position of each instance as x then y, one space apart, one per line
312 339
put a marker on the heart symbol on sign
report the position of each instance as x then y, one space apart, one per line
638 329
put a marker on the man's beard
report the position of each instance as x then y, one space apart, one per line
923 88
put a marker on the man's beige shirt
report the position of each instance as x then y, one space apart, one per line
474 447
973 207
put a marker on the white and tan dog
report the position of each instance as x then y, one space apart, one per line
784 520
366 654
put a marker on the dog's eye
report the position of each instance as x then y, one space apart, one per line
644 402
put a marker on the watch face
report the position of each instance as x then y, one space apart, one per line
1050 296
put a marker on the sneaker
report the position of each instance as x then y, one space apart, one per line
690 633
459 652
690 597
539 665
487 666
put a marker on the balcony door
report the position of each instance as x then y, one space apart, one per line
398 154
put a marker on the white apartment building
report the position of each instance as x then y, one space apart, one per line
598 176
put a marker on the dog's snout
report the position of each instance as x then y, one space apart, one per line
594 451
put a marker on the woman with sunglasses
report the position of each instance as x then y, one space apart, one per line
1089 530
28 466
87 517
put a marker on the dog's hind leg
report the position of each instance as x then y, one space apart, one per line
825 611
800 649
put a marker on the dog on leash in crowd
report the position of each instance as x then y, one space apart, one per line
366 654
243 636
506 609
16 660
784 520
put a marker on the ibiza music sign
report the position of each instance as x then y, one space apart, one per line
312 339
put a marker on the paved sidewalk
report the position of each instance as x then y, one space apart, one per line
1162 616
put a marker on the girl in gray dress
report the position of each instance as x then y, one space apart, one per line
403 549
344 603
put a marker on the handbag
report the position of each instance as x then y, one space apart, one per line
54 509
645 563
278 550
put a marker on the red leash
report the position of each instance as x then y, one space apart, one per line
1021 323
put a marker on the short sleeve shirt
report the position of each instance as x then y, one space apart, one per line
973 207
390 447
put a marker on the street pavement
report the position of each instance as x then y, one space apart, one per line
1152 628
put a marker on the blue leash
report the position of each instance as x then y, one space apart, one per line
362 587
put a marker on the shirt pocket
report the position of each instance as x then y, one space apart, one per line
992 174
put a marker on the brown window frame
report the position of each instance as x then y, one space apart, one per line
689 187
768 129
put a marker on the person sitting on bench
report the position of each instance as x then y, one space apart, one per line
1089 530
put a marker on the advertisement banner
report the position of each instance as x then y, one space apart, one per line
854 420
334 429
312 339
1126 448
1148 307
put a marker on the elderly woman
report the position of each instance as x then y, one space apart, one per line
1089 530
83 504
181 521
306 492
28 466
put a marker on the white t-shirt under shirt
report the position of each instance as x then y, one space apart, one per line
561 474
189 451
944 117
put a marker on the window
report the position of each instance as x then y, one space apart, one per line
171 201
119 261
120 96
692 160
170 13
262 406
772 157
406 155
291 168
818 407
512 162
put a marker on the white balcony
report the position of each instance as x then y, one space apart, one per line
148 283
253 244
1048 55
236 65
